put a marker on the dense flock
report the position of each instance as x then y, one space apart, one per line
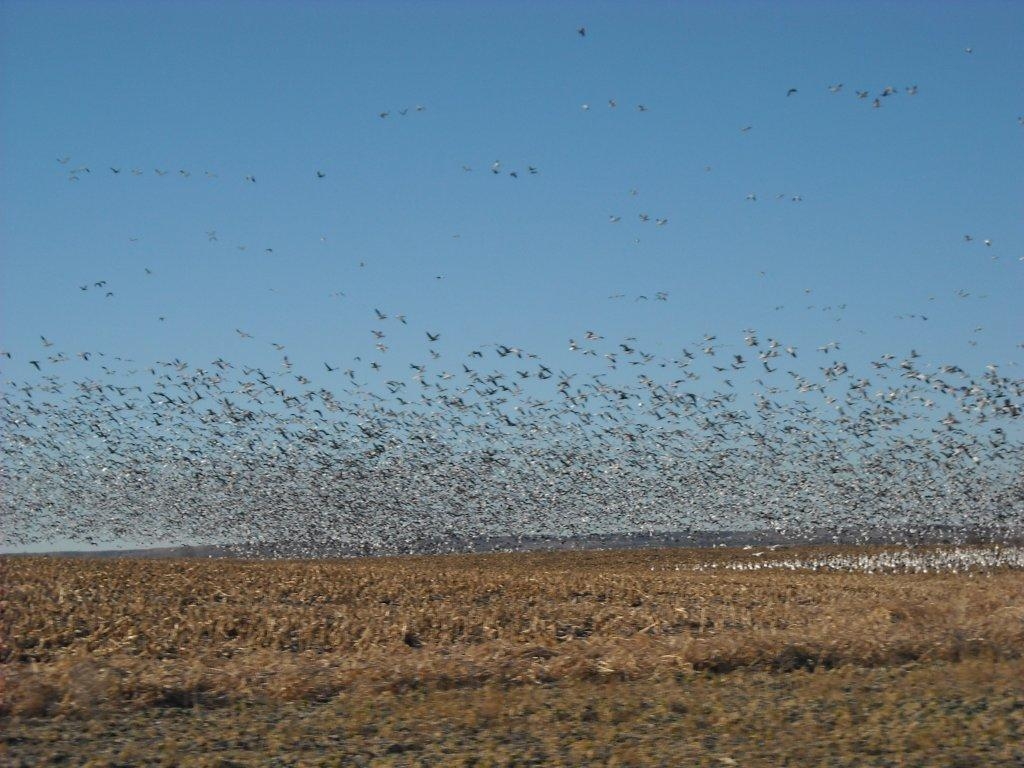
493 441
969 560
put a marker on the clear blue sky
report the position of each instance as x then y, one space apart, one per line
280 90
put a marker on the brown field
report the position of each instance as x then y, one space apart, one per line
599 658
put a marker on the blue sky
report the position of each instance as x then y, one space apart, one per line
280 90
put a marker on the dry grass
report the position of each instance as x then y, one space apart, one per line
465 637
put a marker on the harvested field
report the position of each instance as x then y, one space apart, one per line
635 658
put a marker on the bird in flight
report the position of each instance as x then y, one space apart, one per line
320 174
791 91
582 31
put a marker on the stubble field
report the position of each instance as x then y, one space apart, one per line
661 657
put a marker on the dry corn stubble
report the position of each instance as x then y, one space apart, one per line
82 634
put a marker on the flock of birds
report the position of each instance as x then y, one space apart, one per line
496 440
750 433
967 560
